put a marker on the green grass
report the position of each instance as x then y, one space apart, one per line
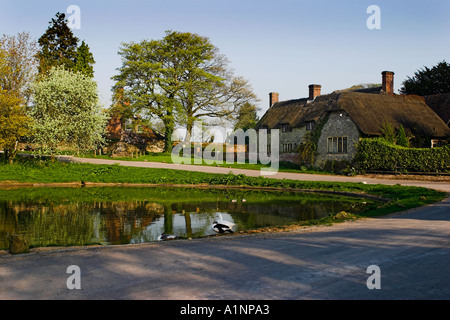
44 171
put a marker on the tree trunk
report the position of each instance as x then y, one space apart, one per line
169 128
188 135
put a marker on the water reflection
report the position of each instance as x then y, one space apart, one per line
68 216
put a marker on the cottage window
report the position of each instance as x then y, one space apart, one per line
337 145
310 125
436 143
286 128
287 147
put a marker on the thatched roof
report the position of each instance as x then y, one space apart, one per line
371 111
368 111
440 103
296 113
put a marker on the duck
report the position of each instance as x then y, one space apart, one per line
244 200
164 236
222 226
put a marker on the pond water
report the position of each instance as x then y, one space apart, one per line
83 216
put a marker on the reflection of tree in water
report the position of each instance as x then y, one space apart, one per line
47 224
119 222
123 219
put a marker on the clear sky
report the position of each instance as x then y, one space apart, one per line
280 46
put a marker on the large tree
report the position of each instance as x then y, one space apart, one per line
428 81
19 64
208 87
14 123
85 60
67 111
181 75
247 117
59 47
148 82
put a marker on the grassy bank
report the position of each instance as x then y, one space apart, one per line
39 171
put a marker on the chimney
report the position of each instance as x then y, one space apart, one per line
314 91
273 98
388 82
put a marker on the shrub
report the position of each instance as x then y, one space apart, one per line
378 154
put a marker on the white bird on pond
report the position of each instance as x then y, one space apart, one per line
221 226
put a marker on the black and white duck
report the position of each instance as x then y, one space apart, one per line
164 236
221 226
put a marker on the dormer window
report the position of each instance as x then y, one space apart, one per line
310 125
286 127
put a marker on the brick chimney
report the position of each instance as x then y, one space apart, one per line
314 91
273 98
388 82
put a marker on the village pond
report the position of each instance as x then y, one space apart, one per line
126 215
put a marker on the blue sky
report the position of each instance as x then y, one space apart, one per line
280 46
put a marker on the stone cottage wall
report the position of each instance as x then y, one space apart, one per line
294 138
339 124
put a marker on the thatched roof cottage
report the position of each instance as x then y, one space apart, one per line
345 117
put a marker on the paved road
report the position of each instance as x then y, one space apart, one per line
411 249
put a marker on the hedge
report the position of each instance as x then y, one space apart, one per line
377 154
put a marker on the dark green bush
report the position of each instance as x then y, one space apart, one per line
377 154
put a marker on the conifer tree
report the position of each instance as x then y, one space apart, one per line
85 60
58 45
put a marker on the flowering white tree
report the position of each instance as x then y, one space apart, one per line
66 110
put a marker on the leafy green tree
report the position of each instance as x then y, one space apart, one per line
85 60
247 117
181 76
208 87
148 83
402 140
19 64
388 132
67 111
14 123
428 81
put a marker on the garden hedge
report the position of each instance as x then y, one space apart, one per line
377 154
